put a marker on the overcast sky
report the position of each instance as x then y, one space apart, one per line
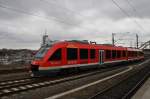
23 22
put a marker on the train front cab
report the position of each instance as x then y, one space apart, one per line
46 61
66 57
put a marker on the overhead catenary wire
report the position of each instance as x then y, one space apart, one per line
54 3
69 10
135 12
129 16
57 19
134 9
49 18
31 14
123 11
72 11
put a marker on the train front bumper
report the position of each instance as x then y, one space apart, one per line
37 72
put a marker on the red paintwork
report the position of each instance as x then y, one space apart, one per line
64 45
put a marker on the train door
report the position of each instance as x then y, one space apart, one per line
101 56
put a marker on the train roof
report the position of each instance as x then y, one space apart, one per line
85 44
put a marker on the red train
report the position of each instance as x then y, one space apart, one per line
75 54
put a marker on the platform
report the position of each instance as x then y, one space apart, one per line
143 92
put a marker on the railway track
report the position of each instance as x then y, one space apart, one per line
16 86
98 89
17 70
132 91
19 85
15 81
21 82
126 88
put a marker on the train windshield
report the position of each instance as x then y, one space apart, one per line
40 54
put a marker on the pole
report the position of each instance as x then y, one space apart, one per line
149 44
131 43
45 37
113 39
137 41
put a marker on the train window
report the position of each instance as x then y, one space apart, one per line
135 54
72 53
108 54
138 53
141 53
92 53
114 54
124 53
83 53
56 55
40 54
118 54
132 53
129 53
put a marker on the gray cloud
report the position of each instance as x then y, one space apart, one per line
69 19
